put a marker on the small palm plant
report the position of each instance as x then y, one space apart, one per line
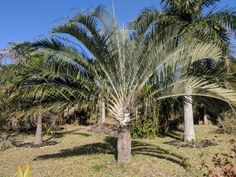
24 173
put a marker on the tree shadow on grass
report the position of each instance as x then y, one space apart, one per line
156 151
32 145
176 135
109 147
58 135
88 149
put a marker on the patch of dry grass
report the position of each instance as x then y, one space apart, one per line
83 154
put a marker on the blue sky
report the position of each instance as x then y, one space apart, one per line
27 20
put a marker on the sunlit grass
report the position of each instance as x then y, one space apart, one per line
81 153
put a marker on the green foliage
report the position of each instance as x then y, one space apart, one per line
170 114
120 69
123 64
156 118
146 124
215 26
206 25
144 128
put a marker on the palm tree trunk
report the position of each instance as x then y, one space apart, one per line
102 109
205 117
189 133
124 145
38 135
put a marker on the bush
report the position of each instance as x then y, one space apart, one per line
144 128
227 122
223 165
5 143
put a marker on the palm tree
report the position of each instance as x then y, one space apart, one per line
118 64
19 53
47 85
189 16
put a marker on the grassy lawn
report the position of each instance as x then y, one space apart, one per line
80 154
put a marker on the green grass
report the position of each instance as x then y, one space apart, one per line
84 154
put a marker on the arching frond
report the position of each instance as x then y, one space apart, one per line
123 64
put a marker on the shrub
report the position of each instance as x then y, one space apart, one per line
144 128
223 165
227 122
5 143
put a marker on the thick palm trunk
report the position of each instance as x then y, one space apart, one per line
124 145
189 133
38 135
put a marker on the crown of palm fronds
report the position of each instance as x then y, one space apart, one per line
111 62
49 85
217 26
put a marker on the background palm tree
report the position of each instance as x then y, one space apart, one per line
189 16
23 76
47 85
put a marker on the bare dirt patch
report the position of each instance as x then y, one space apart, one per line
108 129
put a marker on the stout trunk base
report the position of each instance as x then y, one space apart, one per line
124 145
38 135
189 138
